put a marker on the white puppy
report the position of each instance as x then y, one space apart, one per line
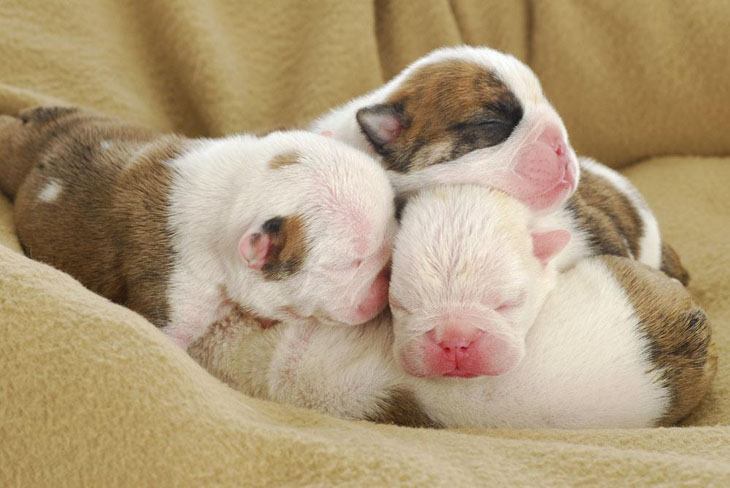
471 278
291 225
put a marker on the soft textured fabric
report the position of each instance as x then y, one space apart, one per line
92 394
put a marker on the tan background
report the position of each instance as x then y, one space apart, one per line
91 393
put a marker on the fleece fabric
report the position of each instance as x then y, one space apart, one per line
92 394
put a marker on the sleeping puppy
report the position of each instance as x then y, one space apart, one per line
292 225
479 110
475 249
476 115
614 345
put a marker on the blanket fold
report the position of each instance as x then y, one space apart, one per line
93 394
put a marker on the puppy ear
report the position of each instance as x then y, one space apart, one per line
381 124
547 244
254 247
278 248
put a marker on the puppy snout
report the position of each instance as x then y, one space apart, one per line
459 350
545 170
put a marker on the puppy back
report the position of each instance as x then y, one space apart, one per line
681 350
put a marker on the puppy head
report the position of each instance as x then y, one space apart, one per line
479 107
320 245
468 279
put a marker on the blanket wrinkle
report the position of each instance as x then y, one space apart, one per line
92 394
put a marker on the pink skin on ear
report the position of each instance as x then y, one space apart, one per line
547 244
327 133
254 249
381 124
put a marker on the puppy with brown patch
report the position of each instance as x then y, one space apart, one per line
466 115
463 115
291 225
614 345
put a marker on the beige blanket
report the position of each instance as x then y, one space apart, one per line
91 394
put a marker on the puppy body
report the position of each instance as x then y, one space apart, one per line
615 344
180 230
608 216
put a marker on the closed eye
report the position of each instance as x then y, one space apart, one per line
479 124
513 303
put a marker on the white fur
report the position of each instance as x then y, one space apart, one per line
586 364
50 192
586 367
465 249
480 166
223 188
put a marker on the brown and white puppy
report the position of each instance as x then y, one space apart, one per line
615 344
476 115
292 225
463 115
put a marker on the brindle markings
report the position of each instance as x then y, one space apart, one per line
400 407
681 349
446 110
613 224
288 246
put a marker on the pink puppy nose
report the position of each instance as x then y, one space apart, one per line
466 352
455 354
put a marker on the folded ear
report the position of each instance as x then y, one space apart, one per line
547 244
278 248
254 248
381 124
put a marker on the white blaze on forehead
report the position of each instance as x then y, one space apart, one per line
104 145
49 193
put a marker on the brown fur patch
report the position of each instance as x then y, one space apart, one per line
284 159
678 330
612 223
288 246
400 407
141 207
449 109
108 225
672 265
